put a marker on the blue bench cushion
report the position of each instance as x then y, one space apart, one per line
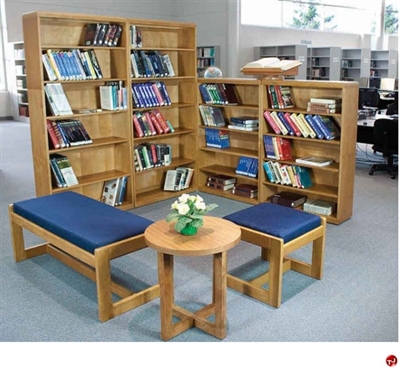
82 221
276 220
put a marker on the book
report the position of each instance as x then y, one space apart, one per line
217 185
65 168
244 120
217 138
170 179
287 98
315 161
110 189
243 128
326 100
246 190
272 64
288 199
319 206
243 165
222 179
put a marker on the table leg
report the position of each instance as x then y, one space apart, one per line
219 293
166 281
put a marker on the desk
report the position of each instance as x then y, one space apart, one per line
215 238
365 128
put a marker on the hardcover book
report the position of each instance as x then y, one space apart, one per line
288 199
222 179
272 64
315 161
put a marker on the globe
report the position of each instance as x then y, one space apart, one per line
212 72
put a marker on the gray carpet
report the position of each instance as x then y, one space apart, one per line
356 301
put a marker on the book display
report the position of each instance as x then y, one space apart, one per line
244 140
332 179
84 73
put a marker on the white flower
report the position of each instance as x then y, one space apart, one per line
183 198
193 198
199 204
174 205
183 209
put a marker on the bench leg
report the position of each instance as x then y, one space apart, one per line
318 250
275 272
103 284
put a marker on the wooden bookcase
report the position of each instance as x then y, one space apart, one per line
111 154
224 161
333 183
178 40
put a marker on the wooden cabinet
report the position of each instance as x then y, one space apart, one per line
207 56
178 40
20 90
334 183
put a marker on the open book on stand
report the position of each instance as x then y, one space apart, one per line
272 66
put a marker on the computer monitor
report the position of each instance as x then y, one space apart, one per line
375 82
368 97
362 81
387 84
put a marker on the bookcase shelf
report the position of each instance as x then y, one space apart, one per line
384 63
19 84
334 183
111 153
207 56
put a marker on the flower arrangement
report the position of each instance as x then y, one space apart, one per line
189 210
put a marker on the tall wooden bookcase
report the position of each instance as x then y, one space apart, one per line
111 154
333 183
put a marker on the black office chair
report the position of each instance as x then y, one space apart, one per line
386 142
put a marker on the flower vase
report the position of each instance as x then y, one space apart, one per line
189 229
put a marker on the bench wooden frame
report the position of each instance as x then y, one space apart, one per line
275 251
94 266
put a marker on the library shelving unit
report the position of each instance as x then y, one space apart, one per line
111 153
21 105
334 183
355 63
384 63
213 161
178 40
207 56
323 63
291 52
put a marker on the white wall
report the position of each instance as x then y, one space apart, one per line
149 9
6 109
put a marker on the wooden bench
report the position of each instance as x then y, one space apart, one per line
279 231
86 235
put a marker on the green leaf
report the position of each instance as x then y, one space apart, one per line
181 223
197 223
172 217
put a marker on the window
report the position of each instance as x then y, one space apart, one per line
391 18
2 49
323 15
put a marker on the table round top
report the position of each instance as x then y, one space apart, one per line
215 236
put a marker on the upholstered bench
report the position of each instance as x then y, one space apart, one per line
279 231
84 234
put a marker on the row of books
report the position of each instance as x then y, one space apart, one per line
299 124
217 138
150 155
151 64
102 34
63 174
219 94
135 36
296 176
150 123
280 97
114 191
150 94
277 148
212 116
324 105
321 207
58 102
113 96
244 123
178 179
246 190
67 133
247 167
71 65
